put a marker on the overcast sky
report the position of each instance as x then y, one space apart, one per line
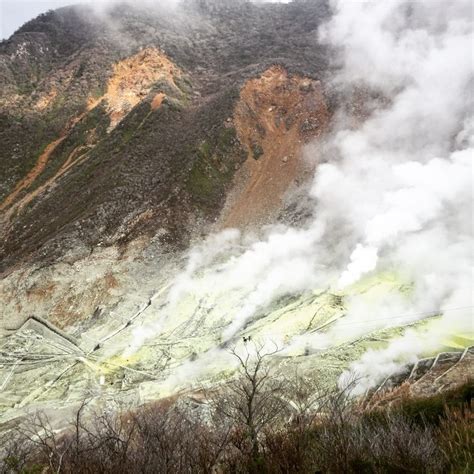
14 13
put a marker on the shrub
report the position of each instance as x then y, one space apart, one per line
250 427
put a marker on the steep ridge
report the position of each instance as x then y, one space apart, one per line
122 92
130 83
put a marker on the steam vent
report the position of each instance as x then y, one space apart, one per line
236 237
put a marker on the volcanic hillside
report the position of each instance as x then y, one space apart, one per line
132 123
177 181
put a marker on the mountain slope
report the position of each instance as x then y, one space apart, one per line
72 124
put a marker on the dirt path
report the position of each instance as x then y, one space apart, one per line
131 81
33 174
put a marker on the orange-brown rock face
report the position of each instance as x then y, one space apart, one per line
46 100
132 80
277 113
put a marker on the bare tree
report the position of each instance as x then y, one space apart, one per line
253 401
305 398
15 453
255 423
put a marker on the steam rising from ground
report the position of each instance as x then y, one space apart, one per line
409 168
396 193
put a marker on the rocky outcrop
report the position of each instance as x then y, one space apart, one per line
276 115
133 79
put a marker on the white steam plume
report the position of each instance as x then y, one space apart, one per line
397 195
416 155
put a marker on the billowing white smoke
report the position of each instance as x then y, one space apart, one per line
397 193
409 168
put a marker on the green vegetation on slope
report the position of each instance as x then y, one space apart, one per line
214 167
